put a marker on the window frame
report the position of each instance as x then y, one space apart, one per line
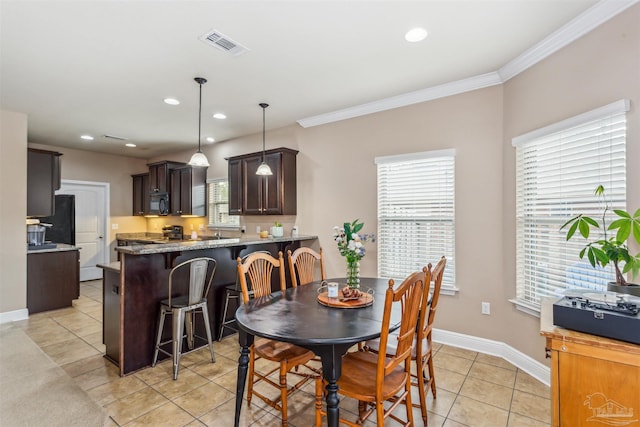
431 218
565 137
212 208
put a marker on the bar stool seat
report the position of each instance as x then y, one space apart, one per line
183 307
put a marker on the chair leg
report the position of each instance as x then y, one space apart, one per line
283 393
421 391
224 314
188 323
380 413
432 377
207 328
178 328
407 403
318 402
161 317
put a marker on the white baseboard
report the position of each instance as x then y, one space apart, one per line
14 316
495 348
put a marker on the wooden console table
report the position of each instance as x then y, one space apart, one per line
595 381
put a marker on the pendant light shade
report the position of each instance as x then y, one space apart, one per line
199 159
264 168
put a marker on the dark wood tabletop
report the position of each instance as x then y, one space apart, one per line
295 316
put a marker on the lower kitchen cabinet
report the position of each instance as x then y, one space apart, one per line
53 279
594 380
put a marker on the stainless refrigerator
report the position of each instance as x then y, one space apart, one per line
63 220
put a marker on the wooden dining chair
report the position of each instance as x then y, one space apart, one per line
374 378
421 351
258 267
303 261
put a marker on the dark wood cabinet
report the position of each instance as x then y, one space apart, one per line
111 313
141 200
188 191
235 186
53 279
251 194
43 179
159 175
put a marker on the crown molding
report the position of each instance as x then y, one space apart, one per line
576 28
591 18
416 97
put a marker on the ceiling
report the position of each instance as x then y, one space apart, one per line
104 67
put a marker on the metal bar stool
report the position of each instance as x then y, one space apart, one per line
182 308
233 292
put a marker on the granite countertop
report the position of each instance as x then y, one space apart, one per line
158 248
112 266
58 247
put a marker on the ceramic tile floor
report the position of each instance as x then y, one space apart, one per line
474 389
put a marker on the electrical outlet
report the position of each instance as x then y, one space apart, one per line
486 308
243 229
114 226
257 229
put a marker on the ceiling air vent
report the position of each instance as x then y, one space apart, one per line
217 39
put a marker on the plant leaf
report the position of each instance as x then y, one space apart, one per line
601 256
584 229
621 213
591 221
582 252
570 221
572 230
591 257
636 231
624 229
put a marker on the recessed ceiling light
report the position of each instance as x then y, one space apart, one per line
87 137
128 144
219 116
415 35
171 101
210 139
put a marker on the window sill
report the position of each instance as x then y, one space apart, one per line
527 308
449 290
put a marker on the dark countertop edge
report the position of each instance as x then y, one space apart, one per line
60 247
112 266
204 244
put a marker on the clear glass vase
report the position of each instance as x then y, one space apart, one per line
353 273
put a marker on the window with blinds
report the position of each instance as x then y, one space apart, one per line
416 213
219 205
557 171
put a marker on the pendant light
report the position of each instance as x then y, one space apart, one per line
199 159
264 168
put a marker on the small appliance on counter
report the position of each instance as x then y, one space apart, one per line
172 232
35 235
606 314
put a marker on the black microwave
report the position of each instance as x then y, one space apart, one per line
159 204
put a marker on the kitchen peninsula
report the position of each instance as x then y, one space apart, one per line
134 286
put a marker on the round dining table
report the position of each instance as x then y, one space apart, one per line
296 316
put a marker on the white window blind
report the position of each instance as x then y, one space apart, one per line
416 215
557 170
219 205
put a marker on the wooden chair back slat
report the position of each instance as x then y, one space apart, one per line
302 265
259 267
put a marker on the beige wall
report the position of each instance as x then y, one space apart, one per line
13 211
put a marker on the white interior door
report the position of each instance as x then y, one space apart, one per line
91 224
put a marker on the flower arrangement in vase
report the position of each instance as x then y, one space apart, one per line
351 246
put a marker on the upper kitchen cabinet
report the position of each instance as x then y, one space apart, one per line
43 179
141 201
251 194
188 191
159 175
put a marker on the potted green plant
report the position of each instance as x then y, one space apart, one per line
612 249
277 230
